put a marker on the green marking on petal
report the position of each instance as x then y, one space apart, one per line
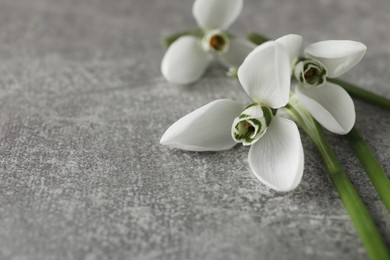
256 122
301 79
248 139
243 116
267 114
252 124
251 105
274 111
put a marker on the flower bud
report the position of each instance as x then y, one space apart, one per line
252 123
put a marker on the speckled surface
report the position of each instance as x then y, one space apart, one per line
83 106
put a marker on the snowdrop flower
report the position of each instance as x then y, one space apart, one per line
276 153
188 57
328 103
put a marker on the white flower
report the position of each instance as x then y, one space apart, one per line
328 103
276 153
188 57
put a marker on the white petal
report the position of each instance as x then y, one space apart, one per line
330 105
237 52
337 56
293 44
205 129
216 14
277 158
265 74
185 61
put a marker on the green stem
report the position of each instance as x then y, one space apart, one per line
172 38
364 224
352 89
257 38
371 165
363 94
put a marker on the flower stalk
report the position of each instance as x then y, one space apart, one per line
371 165
364 224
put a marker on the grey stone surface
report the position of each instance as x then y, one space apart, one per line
83 106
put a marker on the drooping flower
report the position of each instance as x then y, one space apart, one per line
276 154
328 103
189 56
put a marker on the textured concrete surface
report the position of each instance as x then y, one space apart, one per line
83 106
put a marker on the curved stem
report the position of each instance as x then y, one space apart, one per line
364 224
371 165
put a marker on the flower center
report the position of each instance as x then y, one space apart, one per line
252 123
310 72
245 129
215 41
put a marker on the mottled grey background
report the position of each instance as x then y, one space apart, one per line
83 106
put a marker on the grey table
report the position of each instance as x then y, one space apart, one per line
83 106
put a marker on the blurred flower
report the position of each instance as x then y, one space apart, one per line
276 153
188 57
